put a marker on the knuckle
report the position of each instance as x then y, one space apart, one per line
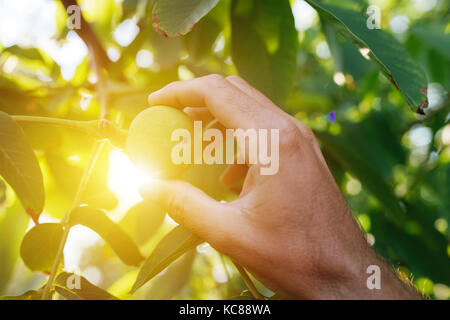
307 133
175 206
216 80
236 78
290 135
288 131
172 85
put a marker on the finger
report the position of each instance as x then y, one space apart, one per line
251 91
199 114
209 219
216 125
258 96
227 103
234 175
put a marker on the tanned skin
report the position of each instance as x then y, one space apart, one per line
292 230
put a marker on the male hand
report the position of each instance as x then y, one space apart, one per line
292 230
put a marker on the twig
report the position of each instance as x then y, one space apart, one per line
99 59
83 126
98 146
100 129
89 37
248 282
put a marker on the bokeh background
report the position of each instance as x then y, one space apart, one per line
377 147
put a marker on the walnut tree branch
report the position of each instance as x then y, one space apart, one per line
99 59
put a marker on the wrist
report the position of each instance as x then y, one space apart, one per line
371 278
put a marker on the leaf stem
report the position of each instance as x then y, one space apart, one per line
100 129
248 282
97 148
84 126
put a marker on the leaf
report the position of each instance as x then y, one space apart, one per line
199 42
434 37
85 291
411 250
438 66
354 163
13 225
390 55
27 53
40 246
244 295
142 221
177 242
166 51
129 8
120 242
122 286
19 167
264 45
168 284
29 295
177 17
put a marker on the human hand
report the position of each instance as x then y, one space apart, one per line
293 230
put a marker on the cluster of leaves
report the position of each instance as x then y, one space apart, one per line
401 192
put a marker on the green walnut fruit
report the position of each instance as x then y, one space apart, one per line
149 143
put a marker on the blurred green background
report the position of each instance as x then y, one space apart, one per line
392 164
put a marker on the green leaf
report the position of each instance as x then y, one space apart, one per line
166 51
434 37
245 295
411 250
438 66
120 242
200 40
177 242
27 53
13 225
168 284
19 166
29 295
264 45
40 246
129 8
354 163
75 287
142 221
177 17
390 55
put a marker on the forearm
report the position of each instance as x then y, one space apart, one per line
389 286
368 277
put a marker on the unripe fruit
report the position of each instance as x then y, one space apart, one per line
149 143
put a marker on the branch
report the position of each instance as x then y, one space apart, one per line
98 145
89 37
99 129
98 55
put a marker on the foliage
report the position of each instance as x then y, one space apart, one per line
60 134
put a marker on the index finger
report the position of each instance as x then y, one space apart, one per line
227 103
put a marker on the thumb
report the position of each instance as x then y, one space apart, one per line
189 206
